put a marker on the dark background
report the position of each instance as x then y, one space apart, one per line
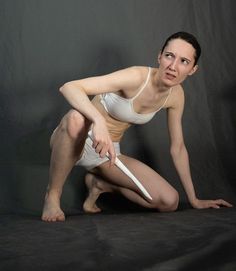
46 43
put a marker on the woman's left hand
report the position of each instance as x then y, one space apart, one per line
216 204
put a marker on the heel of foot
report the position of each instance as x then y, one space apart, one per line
90 208
94 192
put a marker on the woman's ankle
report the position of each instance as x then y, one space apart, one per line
53 193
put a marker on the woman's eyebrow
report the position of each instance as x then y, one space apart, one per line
168 52
185 58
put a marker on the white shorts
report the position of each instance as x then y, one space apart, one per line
90 159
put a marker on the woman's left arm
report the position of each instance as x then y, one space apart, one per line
179 152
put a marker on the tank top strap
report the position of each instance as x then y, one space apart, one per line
144 85
166 99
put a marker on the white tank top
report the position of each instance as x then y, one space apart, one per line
122 108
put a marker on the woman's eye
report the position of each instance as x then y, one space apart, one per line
169 55
185 62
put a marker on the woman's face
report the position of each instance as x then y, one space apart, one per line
176 62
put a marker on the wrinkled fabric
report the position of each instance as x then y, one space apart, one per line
185 240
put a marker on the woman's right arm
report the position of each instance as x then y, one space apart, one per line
76 93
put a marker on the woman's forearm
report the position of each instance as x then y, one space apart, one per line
181 162
79 100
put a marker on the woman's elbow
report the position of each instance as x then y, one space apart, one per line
61 88
176 149
70 87
64 87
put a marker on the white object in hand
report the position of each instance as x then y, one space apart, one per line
125 170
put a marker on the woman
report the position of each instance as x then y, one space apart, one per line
138 93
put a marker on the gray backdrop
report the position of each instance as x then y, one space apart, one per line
46 43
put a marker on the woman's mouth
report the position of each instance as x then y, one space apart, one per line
170 76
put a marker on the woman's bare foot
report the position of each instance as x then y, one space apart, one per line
95 186
51 209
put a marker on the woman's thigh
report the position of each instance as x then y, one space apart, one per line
157 186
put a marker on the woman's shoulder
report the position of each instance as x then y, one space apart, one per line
136 75
178 90
176 97
139 70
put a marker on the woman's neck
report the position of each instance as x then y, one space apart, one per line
161 87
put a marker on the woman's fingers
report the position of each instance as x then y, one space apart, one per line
112 154
100 147
102 143
104 148
216 204
223 203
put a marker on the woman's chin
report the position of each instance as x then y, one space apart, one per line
169 82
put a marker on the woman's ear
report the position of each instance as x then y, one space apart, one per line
194 69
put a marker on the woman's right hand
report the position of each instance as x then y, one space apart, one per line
102 142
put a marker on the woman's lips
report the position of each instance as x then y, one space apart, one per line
170 76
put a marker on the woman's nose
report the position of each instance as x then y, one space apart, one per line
173 65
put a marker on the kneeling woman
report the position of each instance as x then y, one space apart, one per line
93 130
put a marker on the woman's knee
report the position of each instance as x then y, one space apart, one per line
75 123
169 202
